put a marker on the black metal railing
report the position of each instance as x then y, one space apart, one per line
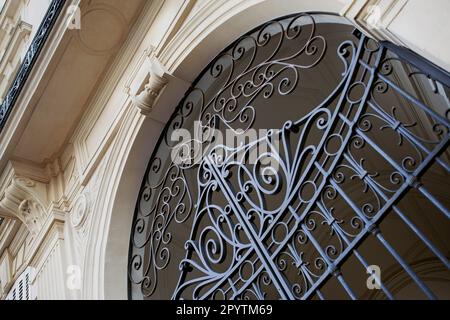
331 191
30 58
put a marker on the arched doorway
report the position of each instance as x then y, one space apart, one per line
352 174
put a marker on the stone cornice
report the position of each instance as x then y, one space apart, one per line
87 160
18 118
31 56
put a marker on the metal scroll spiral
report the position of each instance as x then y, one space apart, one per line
276 225
246 72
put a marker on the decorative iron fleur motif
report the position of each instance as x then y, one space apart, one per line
231 229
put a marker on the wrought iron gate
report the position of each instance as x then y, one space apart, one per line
353 173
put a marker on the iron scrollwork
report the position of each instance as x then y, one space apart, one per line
230 229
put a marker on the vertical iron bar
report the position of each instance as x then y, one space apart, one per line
358 256
407 134
407 268
331 266
434 201
270 267
408 222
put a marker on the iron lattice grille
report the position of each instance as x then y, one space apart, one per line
359 132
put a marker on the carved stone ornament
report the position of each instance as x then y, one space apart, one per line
146 99
32 214
23 199
79 212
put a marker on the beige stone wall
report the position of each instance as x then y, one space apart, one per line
19 21
75 148
415 24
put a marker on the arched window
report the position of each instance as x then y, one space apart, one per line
306 162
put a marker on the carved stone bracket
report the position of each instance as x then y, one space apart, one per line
23 197
156 82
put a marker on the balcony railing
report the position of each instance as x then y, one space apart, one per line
30 58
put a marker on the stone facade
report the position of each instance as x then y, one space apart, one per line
75 147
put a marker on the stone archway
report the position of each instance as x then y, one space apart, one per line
184 58
107 254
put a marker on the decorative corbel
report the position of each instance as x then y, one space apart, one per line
23 198
32 214
156 82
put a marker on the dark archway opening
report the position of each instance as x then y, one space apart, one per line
316 155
